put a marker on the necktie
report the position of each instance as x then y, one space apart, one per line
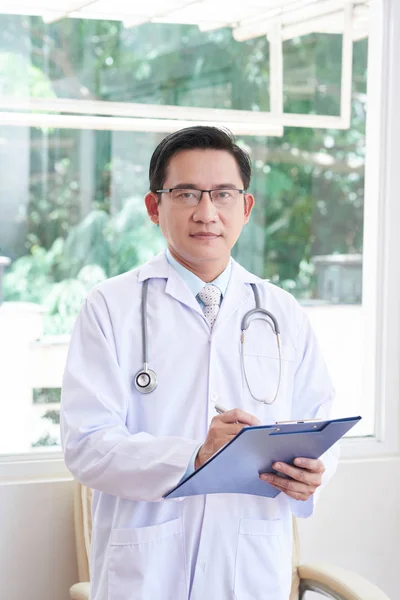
210 295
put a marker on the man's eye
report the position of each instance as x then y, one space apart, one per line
224 194
186 195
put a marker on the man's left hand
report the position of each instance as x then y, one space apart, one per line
304 480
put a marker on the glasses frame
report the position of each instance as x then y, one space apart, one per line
169 190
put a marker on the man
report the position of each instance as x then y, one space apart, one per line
133 447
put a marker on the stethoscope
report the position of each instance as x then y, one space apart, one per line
146 379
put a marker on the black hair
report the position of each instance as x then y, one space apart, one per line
201 137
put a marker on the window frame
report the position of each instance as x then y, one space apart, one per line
381 271
381 275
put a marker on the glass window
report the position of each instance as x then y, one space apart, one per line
71 201
312 74
151 63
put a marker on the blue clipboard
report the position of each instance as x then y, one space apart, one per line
235 468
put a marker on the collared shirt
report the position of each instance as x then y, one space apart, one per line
195 284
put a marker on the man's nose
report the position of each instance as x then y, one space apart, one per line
205 211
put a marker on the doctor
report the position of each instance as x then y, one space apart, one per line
132 447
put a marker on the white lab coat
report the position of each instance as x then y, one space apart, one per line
132 448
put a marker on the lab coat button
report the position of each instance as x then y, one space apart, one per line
214 397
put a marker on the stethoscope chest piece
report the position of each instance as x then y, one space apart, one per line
146 381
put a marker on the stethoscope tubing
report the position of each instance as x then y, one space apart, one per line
245 325
144 321
149 376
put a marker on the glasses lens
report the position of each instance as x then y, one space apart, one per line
224 197
186 197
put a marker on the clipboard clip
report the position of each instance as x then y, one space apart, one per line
298 422
304 421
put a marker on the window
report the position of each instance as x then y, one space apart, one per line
71 210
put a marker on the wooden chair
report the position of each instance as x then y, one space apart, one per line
330 581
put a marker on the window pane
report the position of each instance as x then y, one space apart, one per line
71 214
158 63
151 63
312 74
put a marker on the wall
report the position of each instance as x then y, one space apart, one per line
357 522
357 525
37 553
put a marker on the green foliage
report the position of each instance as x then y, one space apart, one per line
17 74
100 246
85 244
53 416
46 395
133 239
46 440
29 278
54 204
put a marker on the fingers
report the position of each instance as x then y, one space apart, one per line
294 489
303 475
313 465
222 429
303 482
238 416
232 429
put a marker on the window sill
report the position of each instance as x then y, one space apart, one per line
33 468
368 448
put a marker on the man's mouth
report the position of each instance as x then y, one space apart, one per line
205 235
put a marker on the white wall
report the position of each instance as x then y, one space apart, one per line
356 525
37 553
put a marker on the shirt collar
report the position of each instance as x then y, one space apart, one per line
194 283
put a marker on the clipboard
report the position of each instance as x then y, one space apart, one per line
236 467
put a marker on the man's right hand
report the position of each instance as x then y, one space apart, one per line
222 429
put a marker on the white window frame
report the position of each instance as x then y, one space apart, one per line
381 276
381 267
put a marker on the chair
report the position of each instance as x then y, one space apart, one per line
332 582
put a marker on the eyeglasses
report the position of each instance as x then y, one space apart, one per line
221 198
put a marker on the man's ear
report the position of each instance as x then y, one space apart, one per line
248 206
151 201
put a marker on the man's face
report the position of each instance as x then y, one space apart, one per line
196 234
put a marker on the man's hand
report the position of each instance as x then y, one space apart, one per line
306 477
222 429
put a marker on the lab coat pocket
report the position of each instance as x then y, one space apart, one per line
148 563
263 371
260 571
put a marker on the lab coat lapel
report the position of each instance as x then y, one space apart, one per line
160 268
177 288
237 293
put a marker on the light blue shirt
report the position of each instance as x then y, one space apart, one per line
195 284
